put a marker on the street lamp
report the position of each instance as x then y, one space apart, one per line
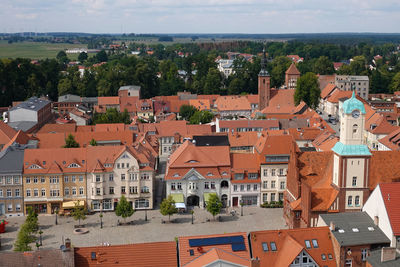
192 212
40 237
56 212
145 215
101 220
241 207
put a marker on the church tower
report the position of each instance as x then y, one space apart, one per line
351 158
264 89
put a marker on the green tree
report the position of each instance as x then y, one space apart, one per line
214 205
202 117
124 208
79 212
323 66
27 230
102 56
31 222
167 207
307 90
358 65
279 66
65 87
70 142
62 57
93 142
82 56
212 82
395 84
112 115
187 111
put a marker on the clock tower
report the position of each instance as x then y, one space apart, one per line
351 157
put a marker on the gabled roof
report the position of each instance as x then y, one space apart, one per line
328 89
200 104
392 141
6 133
292 70
215 255
289 244
233 102
391 198
107 100
185 245
356 227
140 255
282 102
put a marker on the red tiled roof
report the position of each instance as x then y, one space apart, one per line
58 128
184 247
392 141
289 244
328 89
282 102
140 255
200 104
107 100
233 102
292 70
391 197
6 133
214 255
338 94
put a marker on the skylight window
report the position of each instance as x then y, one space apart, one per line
315 243
370 228
265 246
341 231
191 252
330 256
323 257
273 246
209 174
176 175
192 161
355 230
308 244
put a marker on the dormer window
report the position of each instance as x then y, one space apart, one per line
192 161
176 175
34 166
73 165
210 174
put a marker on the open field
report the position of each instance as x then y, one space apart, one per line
35 50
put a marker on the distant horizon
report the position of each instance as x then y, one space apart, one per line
198 33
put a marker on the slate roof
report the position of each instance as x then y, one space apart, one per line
211 140
11 160
374 259
32 103
348 221
22 125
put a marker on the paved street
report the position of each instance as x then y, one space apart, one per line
335 127
254 218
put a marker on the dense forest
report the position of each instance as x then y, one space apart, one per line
166 71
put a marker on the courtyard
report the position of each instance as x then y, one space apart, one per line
140 230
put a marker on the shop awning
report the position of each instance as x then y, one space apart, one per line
207 196
71 204
178 198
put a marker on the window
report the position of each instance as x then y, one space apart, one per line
9 179
330 256
206 185
281 172
73 165
265 184
35 192
35 180
80 190
18 207
248 187
272 172
357 201
364 253
65 179
253 176
43 192
145 189
272 184
142 203
1 192
265 197
350 201
17 193
308 244
280 196
212 185
123 189
273 246
272 196
348 263
123 177
80 178
265 246
127 165
73 179
235 188
66 191
255 187
42 180
238 176
144 176
282 185
97 177
1 179
315 243
16 179
55 193
133 190
265 172
9 207
323 257
111 177
74 191
122 165
354 181
9 193
118 166
173 187
242 187
98 192
355 127
54 180
111 190
179 186
28 192
28 180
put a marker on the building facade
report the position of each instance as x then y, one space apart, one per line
360 84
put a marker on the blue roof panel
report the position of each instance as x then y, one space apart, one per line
351 150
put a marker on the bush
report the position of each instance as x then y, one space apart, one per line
272 204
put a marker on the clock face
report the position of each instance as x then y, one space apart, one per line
355 113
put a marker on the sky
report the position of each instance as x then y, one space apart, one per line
200 16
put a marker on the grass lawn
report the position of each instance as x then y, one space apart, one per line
34 50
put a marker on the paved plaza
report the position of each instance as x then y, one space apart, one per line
254 218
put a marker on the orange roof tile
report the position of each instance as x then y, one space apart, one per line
232 102
58 128
253 99
214 255
270 124
391 197
6 133
200 104
289 244
385 168
328 89
292 70
184 247
338 94
140 255
391 141
305 133
282 102
107 100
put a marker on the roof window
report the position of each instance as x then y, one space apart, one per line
341 231
370 228
330 256
273 246
191 252
323 257
93 255
315 243
308 244
355 230
265 246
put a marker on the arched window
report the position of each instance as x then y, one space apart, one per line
350 201
357 201
224 184
355 129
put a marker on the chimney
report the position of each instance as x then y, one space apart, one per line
388 254
255 262
332 226
376 220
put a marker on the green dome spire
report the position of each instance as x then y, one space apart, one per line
353 103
